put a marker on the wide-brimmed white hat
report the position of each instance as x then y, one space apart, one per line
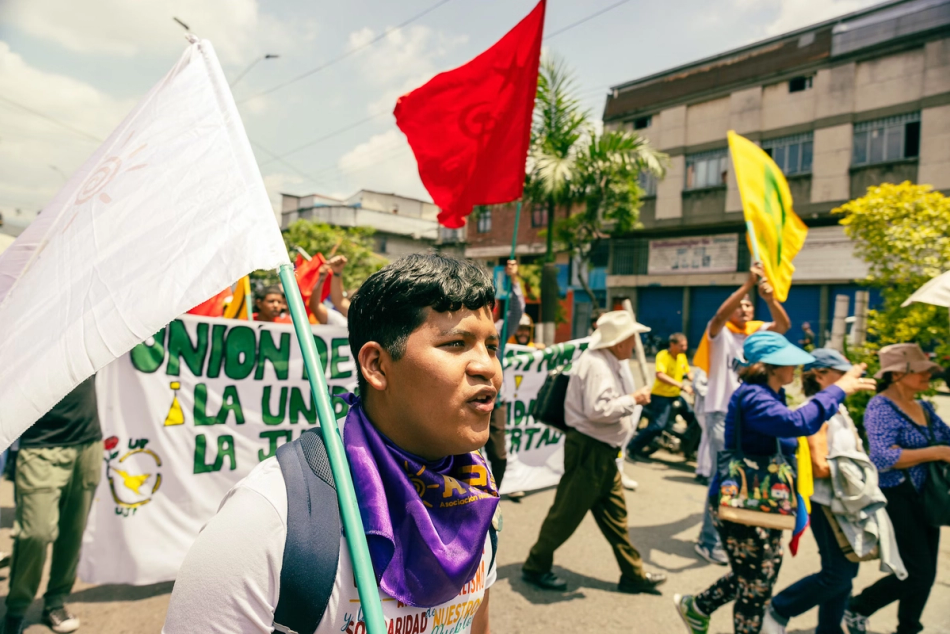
614 327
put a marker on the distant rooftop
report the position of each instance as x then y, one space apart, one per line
883 24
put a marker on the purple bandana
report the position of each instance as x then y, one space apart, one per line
425 522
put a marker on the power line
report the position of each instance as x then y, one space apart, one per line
39 114
583 20
340 58
330 135
287 164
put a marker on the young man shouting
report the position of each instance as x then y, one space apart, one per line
421 330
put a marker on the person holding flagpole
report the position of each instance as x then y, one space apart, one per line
720 347
775 235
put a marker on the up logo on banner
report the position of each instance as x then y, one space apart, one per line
134 477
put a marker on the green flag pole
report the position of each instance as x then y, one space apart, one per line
349 510
753 240
504 325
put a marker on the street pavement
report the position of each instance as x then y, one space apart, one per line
664 519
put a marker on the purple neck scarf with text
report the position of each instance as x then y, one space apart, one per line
425 522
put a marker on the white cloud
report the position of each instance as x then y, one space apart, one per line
32 148
279 183
402 61
238 29
383 163
796 14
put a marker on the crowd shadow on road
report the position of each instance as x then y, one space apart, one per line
6 516
536 596
121 592
648 539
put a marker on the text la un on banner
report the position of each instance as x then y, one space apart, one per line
191 411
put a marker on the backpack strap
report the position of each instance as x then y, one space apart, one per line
312 547
493 538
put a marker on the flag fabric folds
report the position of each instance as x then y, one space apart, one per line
237 308
469 127
213 307
307 273
767 205
166 213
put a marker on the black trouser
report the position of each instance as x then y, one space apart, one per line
919 544
495 447
658 412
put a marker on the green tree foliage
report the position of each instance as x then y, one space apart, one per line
356 243
572 168
605 183
901 232
558 126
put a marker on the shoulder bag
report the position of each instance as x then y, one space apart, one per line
935 494
756 490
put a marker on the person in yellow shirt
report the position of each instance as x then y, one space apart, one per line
671 368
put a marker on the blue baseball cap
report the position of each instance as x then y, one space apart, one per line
828 358
774 349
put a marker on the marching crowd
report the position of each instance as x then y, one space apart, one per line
424 332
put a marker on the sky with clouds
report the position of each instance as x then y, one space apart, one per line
70 71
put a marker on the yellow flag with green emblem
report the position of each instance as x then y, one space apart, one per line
776 234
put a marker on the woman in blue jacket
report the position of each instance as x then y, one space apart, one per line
755 553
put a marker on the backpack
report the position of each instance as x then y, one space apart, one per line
548 407
312 546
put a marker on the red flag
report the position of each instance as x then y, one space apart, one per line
307 273
213 307
469 127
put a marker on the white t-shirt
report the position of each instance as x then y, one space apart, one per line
335 317
724 348
230 580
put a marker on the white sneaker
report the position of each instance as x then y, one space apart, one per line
629 483
515 495
60 620
770 625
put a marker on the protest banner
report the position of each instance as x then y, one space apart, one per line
185 416
535 451
191 411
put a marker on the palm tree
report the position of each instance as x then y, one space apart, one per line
570 165
735 469
559 124
606 180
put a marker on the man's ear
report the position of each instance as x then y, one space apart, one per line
374 362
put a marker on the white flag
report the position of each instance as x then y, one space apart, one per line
166 213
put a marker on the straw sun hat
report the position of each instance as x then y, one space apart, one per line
614 327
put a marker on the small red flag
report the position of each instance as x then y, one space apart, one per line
307 273
469 128
213 307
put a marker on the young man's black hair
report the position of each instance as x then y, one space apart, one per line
392 303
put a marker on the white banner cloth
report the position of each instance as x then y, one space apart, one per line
166 213
191 411
185 416
535 451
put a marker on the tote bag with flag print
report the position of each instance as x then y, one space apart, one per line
756 490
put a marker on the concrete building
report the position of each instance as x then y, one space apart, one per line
488 240
403 225
842 105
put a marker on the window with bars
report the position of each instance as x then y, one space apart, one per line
647 183
483 224
539 215
886 140
707 169
792 154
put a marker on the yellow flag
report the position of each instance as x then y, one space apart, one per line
767 205
239 306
